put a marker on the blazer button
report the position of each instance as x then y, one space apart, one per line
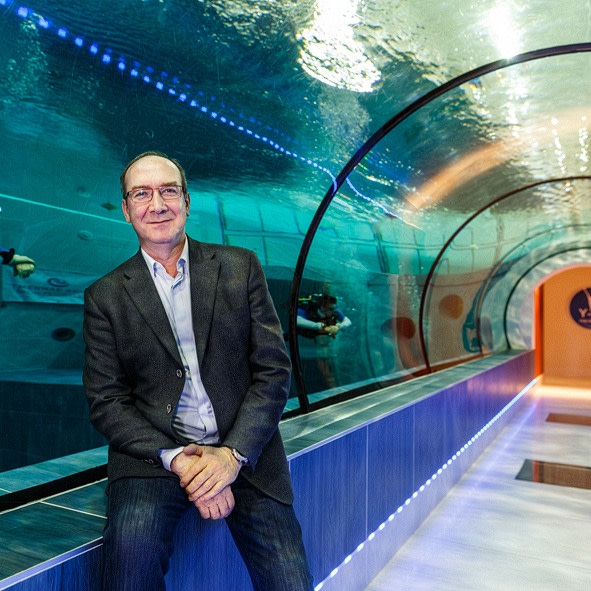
169 408
179 373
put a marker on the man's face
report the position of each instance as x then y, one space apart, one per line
158 223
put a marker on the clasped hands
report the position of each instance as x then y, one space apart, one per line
206 474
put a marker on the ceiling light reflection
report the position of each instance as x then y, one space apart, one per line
503 34
329 51
534 138
584 143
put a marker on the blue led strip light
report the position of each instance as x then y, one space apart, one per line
427 483
163 84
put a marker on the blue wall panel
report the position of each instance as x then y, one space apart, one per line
389 465
330 492
464 413
430 437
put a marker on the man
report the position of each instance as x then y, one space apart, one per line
319 319
318 316
187 376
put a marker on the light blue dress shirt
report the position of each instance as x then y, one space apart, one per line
194 418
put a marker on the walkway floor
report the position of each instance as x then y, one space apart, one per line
495 532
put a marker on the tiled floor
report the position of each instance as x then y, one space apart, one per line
493 532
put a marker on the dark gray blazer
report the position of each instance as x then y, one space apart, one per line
134 376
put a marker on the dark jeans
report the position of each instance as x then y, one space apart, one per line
142 517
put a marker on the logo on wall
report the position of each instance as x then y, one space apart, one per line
580 307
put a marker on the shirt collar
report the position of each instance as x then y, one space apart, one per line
182 264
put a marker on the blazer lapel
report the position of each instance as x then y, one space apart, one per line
141 289
205 270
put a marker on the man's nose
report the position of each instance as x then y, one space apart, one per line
157 203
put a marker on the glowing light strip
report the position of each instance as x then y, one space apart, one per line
380 206
422 488
161 82
148 76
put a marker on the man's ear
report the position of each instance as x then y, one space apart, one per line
187 203
125 210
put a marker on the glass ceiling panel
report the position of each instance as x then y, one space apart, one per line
481 140
448 161
106 79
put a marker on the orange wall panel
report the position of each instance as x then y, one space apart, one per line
566 344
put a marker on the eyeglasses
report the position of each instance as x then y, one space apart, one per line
145 194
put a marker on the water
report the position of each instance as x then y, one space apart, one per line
264 103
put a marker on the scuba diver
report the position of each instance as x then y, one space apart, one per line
318 315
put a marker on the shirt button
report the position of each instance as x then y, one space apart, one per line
179 373
169 408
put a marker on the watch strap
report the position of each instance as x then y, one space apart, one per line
242 460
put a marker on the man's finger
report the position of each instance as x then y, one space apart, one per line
219 507
193 450
197 479
209 487
206 494
214 511
203 511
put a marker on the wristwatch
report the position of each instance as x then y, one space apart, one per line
242 460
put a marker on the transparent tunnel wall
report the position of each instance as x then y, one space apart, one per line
514 236
446 208
350 259
236 91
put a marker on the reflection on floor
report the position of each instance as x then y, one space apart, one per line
555 473
496 532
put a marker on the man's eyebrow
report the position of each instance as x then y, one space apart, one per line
169 184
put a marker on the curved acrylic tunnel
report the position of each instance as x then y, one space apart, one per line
464 175
456 193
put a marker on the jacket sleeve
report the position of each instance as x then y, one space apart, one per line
259 414
110 393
